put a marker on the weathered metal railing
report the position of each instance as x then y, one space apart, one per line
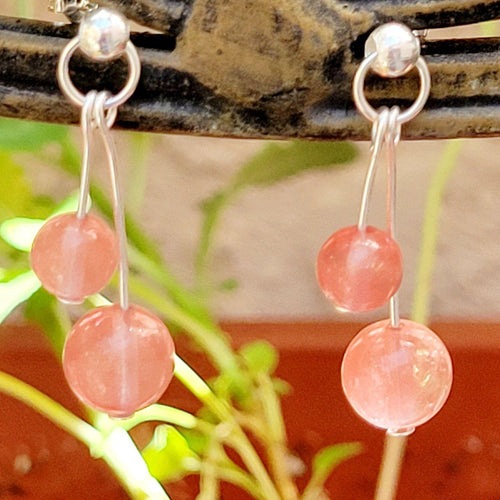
263 68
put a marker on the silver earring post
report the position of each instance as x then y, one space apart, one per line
103 36
392 50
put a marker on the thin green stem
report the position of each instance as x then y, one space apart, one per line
236 438
209 339
394 452
241 479
276 438
395 445
185 299
167 414
421 299
209 477
50 409
25 9
115 448
138 173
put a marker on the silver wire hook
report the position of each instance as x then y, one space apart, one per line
365 107
118 206
392 136
113 101
379 131
86 123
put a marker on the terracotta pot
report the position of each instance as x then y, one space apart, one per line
455 456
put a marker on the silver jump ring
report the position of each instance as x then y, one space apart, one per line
88 109
369 112
77 97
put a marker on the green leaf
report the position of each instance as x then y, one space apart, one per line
168 455
197 442
25 136
228 285
17 291
281 387
325 461
70 204
20 232
260 357
15 191
328 458
46 311
274 163
278 161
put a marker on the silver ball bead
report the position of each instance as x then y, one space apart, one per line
104 34
397 49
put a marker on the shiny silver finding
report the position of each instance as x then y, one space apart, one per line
104 34
71 6
397 49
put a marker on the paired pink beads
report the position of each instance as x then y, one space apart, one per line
116 361
120 358
395 378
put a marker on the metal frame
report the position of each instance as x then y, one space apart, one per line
263 69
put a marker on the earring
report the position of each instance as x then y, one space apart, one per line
396 373
119 358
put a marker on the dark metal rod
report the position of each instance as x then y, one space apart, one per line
465 97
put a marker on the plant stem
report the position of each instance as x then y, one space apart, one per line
276 438
209 477
395 445
394 452
236 438
138 173
50 409
241 479
209 339
421 299
115 448
167 414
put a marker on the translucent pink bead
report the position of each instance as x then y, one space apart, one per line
119 361
359 270
74 258
396 378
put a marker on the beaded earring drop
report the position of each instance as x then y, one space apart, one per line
396 374
119 358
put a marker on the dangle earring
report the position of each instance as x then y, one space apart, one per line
119 358
396 373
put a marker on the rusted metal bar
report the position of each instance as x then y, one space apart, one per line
263 68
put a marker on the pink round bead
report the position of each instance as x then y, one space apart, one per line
397 378
74 258
119 361
359 270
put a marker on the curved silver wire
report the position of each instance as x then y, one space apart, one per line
86 127
88 124
112 101
118 208
369 112
378 134
392 136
